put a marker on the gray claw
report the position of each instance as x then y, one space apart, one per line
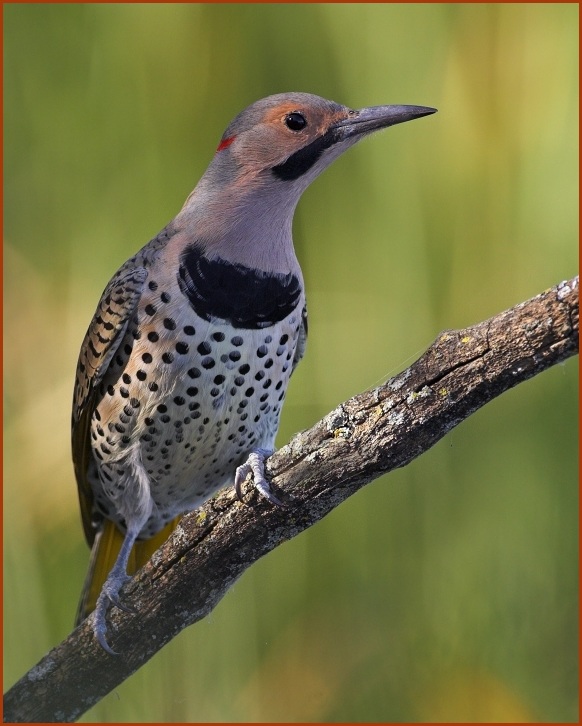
109 596
102 640
241 474
255 465
116 601
100 623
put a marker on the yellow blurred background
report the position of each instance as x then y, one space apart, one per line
446 591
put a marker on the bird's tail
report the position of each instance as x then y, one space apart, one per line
104 552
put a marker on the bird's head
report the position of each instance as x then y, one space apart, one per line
292 137
242 208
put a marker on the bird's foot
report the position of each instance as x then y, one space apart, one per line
255 465
109 596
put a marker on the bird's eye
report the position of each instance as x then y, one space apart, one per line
295 121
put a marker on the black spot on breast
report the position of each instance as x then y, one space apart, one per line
239 295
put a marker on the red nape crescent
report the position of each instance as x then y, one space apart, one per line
225 143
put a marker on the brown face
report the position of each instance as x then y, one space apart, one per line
268 136
286 135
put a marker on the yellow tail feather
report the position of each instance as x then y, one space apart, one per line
104 552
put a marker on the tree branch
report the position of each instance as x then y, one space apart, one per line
369 435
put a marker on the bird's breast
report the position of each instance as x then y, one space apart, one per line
195 393
241 296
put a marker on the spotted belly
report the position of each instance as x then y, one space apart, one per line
184 402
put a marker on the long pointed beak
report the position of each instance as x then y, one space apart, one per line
378 117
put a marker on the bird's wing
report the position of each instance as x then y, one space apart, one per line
105 333
301 340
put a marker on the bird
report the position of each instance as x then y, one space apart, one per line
184 367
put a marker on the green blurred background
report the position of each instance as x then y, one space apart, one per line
446 591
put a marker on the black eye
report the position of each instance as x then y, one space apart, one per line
295 121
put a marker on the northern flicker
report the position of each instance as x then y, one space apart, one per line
183 370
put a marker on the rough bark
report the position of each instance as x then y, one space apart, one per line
369 435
